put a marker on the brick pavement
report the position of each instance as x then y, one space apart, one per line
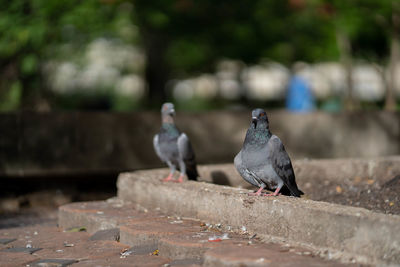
114 234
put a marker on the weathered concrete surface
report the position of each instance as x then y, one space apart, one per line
313 171
367 183
100 142
183 241
346 232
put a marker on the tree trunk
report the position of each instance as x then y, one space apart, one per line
344 46
390 101
157 71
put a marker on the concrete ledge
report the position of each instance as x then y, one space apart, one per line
346 232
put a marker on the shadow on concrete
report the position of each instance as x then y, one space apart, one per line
219 177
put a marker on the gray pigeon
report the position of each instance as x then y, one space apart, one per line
263 161
173 147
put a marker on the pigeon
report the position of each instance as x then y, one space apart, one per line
263 160
173 147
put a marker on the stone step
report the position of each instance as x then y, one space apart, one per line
346 233
185 242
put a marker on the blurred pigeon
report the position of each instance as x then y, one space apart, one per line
263 161
173 147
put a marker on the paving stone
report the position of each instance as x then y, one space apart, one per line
12 259
149 232
143 250
187 262
52 263
192 245
99 215
46 237
86 250
109 234
5 241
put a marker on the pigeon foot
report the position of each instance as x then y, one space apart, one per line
168 178
276 193
258 193
271 195
253 194
180 179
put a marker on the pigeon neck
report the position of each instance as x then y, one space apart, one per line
167 119
170 130
258 135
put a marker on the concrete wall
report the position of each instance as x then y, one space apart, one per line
99 142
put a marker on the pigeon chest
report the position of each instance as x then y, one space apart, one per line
258 165
169 147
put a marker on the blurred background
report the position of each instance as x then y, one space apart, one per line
82 82
120 55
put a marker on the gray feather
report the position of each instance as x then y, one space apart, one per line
187 154
157 148
184 147
280 161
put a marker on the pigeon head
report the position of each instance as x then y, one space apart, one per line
259 116
168 109
168 112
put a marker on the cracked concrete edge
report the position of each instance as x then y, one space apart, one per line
346 232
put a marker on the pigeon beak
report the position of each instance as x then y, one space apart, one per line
172 112
254 121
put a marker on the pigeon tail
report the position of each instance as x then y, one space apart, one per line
296 192
192 173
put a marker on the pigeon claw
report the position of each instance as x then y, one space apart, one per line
254 194
168 178
276 193
258 193
271 195
180 180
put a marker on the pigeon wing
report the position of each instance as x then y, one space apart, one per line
157 147
187 154
282 165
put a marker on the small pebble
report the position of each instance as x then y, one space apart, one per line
175 222
68 244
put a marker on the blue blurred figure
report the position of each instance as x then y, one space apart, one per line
299 96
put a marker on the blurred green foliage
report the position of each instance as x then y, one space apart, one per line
182 37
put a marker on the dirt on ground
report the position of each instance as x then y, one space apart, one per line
369 194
